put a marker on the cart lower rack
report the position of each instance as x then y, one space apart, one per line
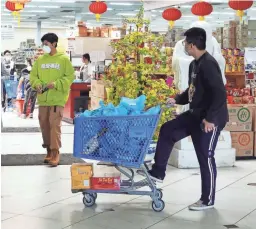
122 142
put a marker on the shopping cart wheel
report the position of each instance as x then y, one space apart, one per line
88 200
94 195
159 194
158 205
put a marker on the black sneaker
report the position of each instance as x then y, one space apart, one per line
154 177
151 175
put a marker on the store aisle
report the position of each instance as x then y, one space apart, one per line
22 140
40 197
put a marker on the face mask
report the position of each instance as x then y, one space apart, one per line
29 68
46 49
8 58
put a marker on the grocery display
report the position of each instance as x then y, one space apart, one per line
131 60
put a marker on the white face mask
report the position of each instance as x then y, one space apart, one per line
29 68
8 58
46 49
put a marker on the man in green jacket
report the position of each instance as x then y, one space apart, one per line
51 75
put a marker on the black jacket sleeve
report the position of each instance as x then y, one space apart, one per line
182 99
214 83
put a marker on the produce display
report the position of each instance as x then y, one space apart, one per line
234 60
136 61
241 96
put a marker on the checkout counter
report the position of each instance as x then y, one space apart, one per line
79 99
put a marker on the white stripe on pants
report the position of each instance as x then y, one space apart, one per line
210 165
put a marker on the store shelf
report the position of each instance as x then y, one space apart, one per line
236 74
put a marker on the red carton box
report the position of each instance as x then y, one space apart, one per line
105 183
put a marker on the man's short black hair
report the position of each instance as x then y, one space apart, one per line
7 51
50 37
197 37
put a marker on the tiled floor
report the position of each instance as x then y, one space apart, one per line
15 143
40 198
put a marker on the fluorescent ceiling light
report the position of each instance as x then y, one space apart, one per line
34 6
89 13
38 11
225 13
126 14
188 16
69 16
110 8
41 0
186 6
65 1
121 3
112 18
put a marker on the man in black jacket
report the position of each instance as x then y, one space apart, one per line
204 121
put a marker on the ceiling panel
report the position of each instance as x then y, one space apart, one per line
64 13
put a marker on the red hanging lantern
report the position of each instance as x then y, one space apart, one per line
202 9
19 3
15 8
98 8
171 15
240 6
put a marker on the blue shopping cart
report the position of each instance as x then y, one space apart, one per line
122 142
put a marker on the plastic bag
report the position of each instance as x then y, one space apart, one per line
153 110
126 107
135 104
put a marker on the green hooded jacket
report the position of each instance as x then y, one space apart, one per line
57 69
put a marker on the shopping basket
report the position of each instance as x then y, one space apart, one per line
121 140
20 106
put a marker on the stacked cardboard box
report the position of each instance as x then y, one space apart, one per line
241 36
98 93
229 35
240 127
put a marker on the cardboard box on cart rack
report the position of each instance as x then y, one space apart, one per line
81 174
105 178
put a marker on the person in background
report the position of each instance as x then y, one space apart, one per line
30 93
86 70
52 75
8 62
208 115
4 76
